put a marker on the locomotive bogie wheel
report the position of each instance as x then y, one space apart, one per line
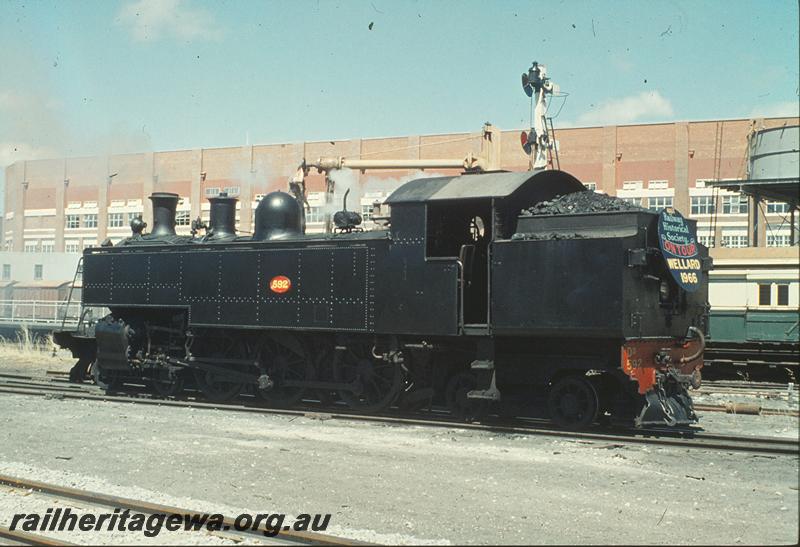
104 379
573 402
378 382
461 406
284 362
215 388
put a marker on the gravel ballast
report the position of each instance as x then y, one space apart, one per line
403 484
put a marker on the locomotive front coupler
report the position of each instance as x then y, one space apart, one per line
673 367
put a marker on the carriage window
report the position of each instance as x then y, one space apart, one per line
764 295
783 295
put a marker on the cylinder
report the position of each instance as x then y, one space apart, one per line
223 217
164 205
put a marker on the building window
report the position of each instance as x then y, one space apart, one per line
73 221
38 270
90 221
777 207
591 186
133 215
778 240
658 203
212 191
366 212
31 246
658 185
633 201
783 295
6 272
702 205
314 215
115 220
734 205
87 243
72 247
734 240
632 185
708 241
48 246
764 294
231 190
182 218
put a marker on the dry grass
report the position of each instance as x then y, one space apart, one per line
28 351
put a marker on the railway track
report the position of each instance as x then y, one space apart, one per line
690 438
65 495
764 389
56 383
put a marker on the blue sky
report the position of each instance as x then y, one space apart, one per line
86 77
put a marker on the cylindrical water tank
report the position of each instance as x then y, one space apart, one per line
775 153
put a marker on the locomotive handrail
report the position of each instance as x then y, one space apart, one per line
699 352
460 294
78 271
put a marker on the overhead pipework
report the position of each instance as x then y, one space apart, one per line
488 159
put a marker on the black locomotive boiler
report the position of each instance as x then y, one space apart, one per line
483 291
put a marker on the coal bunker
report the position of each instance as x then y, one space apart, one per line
587 201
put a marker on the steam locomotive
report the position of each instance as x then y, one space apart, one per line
474 295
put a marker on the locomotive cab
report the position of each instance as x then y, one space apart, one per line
458 219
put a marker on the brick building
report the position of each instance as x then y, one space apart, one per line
65 205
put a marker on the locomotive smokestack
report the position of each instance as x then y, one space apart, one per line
164 205
223 216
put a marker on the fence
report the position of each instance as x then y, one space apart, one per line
40 312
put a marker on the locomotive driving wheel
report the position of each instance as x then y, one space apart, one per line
461 406
284 360
218 387
573 402
377 382
215 387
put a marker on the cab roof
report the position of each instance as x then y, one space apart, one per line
483 185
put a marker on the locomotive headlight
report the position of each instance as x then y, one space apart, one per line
663 291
